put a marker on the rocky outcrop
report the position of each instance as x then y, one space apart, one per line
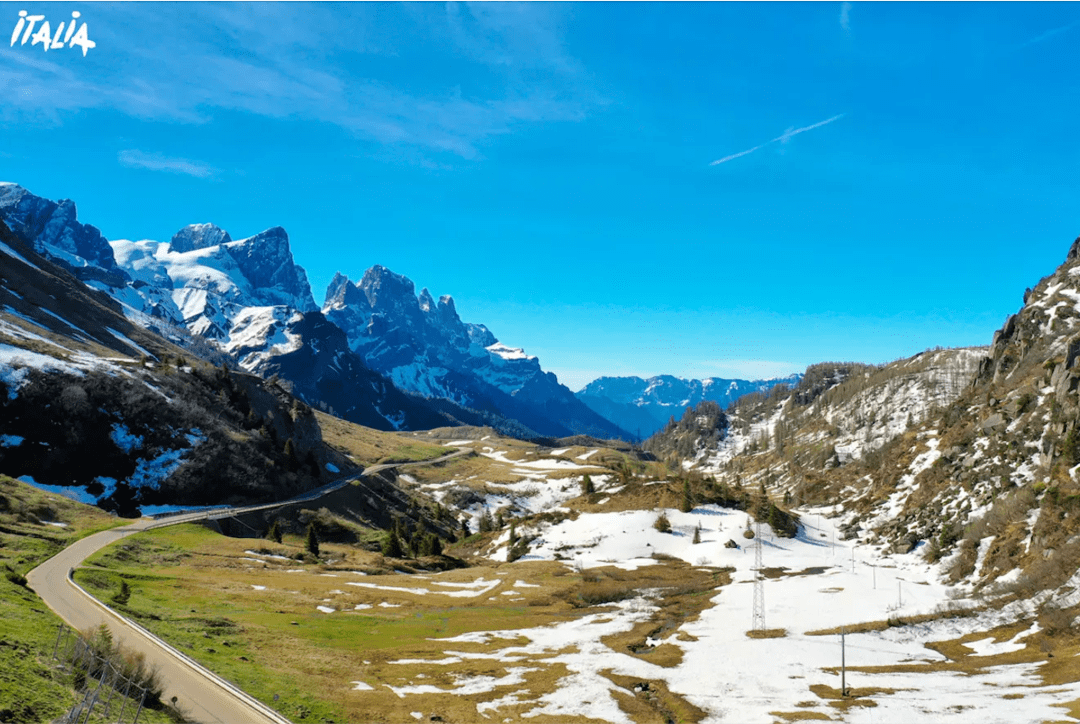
54 231
198 236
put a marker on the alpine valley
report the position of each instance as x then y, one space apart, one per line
447 533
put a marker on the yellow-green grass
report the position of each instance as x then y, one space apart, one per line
31 690
193 588
368 446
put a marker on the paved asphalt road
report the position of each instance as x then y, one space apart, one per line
203 696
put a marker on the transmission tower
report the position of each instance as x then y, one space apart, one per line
759 583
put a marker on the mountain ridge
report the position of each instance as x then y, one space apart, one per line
250 300
645 405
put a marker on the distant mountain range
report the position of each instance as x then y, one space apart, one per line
643 406
377 353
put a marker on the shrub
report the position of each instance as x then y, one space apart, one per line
312 540
17 578
662 523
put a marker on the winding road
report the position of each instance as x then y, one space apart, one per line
202 695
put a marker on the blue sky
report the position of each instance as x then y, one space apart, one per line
552 166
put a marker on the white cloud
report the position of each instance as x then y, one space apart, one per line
157 162
783 138
845 15
308 62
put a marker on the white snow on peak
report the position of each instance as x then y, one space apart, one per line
501 350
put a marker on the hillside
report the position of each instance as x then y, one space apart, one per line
101 406
967 456
34 525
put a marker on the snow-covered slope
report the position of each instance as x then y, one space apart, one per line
240 294
643 406
423 346
96 405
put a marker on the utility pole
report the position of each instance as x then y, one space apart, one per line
852 558
759 584
843 663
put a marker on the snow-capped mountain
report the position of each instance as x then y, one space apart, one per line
424 346
238 293
53 231
83 404
250 300
643 406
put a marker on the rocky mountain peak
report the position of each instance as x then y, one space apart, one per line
1074 250
386 290
198 236
54 231
343 293
427 303
448 315
267 262
337 289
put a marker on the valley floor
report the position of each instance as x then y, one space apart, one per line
604 619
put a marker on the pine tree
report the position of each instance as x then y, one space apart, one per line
500 521
587 487
465 533
513 534
312 540
697 534
436 546
391 547
274 533
418 544
687 498
486 523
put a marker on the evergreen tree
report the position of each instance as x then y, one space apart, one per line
587 487
486 523
436 546
274 533
122 596
687 498
312 540
391 547
697 534
500 521
465 533
418 544
513 534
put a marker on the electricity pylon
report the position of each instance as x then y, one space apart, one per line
759 584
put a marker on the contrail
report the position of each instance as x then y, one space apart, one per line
783 138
